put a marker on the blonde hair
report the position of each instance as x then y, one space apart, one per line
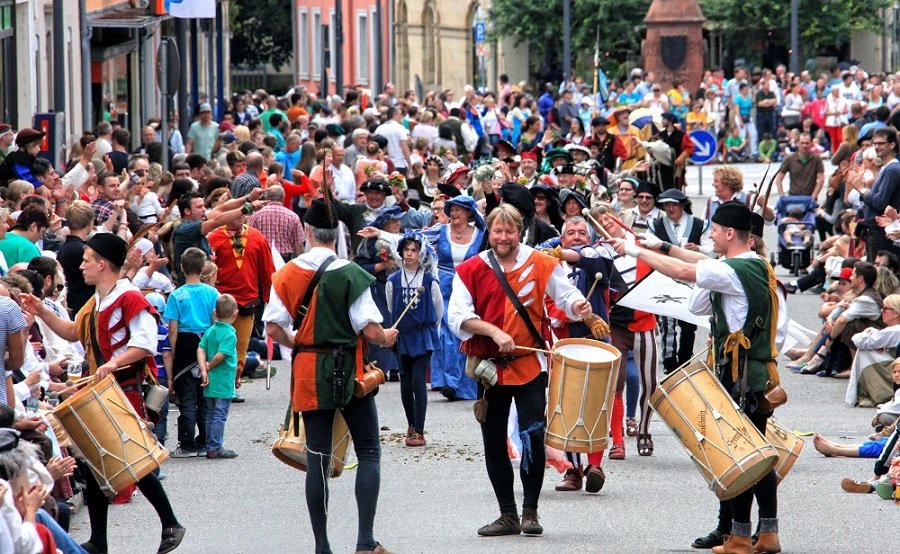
505 213
731 177
80 215
892 301
16 191
849 134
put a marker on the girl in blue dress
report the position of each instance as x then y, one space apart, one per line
418 328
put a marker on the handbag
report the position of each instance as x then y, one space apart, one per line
372 379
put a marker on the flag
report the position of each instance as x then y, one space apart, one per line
192 9
662 295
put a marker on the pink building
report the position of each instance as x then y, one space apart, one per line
358 37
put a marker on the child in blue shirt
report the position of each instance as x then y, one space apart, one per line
217 357
189 311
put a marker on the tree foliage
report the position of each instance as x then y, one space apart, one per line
751 26
539 23
822 23
262 32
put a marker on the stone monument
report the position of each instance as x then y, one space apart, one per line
674 47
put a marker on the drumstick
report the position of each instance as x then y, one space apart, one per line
419 290
530 349
597 277
616 220
599 228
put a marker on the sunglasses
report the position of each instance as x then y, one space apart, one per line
644 197
139 172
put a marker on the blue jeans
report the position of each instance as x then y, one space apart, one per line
216 416
63 541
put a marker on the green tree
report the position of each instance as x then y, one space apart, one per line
539 24
262 32
823 23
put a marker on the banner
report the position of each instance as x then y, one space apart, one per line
662 295
192 9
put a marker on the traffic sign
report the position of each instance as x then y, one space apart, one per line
704 146
480 32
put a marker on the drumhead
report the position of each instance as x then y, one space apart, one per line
586 353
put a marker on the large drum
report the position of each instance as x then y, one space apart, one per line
582 386
114 441
724 444
290 448
788 445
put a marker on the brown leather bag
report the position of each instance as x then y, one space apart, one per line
774 397
372 379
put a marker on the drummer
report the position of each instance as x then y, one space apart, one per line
120 335
322 339
477 315
740 292
582 265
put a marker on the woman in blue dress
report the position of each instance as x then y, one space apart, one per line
454 243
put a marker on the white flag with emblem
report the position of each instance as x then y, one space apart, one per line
662 295
192 9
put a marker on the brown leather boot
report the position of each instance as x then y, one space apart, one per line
571 481
735 544
767 544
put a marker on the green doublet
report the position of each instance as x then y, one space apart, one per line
753 276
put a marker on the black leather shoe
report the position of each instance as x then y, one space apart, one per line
714 538
449 393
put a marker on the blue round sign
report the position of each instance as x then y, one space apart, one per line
704 146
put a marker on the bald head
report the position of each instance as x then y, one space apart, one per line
274 193
254 161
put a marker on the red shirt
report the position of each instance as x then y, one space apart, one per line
247 277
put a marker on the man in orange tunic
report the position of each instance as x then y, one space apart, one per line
329 344
481 314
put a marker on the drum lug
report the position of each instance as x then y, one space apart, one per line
716 415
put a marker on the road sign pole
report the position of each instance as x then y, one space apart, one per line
700 180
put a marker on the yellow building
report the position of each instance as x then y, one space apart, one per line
447 44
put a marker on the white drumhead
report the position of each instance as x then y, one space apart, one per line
585 353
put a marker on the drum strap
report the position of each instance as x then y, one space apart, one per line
310 290
523 313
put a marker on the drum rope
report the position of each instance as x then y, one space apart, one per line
326 472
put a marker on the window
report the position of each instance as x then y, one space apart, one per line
332 26
317 44
304 46
362 48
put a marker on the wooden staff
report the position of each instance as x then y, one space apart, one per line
599 228
616 220
530 349
597 277
419 290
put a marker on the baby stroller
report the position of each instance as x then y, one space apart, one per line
795 218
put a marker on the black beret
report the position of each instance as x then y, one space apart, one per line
317 215
109 247
757 224
733 214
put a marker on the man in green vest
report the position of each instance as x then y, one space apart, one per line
739 291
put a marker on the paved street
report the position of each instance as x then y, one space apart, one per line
433 499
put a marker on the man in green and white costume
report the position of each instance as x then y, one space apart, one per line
740 292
